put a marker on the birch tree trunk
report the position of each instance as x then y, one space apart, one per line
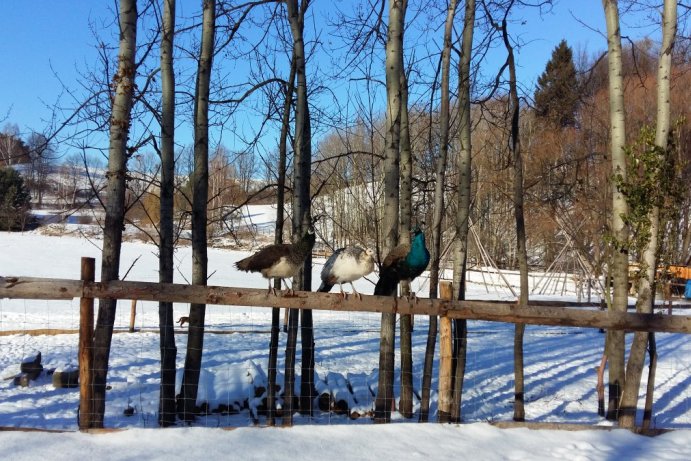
405 404
302 151
394 68
646 285
464 199
200 194
166 406
120 119
438 213
619 267
440 174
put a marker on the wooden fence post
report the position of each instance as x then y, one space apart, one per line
445 357
86 339
133 314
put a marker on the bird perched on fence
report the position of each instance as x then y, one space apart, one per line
279 260
346 265
404 262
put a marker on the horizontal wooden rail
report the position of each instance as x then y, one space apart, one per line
41 288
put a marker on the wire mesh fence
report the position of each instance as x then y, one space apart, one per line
560 369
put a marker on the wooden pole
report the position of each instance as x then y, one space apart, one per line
86 340
445 358
133 314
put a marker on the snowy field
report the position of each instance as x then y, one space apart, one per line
559 367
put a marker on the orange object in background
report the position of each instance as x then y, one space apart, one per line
680 272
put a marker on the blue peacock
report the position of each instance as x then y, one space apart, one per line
404 262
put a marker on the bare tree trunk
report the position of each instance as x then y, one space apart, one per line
115 205
435 253
166 406
646 285
440 176
464 199
195 337
405 404
648 409
521 250
394 68
428 368
302 152
280 208
619 268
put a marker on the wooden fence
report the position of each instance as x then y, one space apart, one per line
532 314
87 290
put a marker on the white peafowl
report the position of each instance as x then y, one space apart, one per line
346 265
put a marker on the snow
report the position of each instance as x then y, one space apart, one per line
559 369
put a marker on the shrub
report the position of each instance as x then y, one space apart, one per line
15 201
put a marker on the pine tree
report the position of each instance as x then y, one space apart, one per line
557 93
14 200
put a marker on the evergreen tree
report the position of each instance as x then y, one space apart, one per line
557 93
14 200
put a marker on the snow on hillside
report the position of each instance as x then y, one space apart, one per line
560 377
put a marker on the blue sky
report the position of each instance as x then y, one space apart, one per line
45 38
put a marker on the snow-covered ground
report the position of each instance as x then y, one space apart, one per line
560 377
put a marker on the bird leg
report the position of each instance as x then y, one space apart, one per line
271 288
355 291
411 296
289 290
343 293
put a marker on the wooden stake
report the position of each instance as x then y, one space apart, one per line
445 358
86 339
133 315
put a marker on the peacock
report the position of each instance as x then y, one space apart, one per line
405 262
280 260
346 265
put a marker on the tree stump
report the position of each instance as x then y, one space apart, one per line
66 378
30 369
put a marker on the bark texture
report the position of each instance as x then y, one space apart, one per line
646 285
166 406
521 250
200 194
405 403
124 82
302 161
619 266
394 68
278 239
464 199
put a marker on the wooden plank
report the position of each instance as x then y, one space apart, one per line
39 288
32 288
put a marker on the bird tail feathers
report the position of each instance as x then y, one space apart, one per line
243 264
325 287
386 286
